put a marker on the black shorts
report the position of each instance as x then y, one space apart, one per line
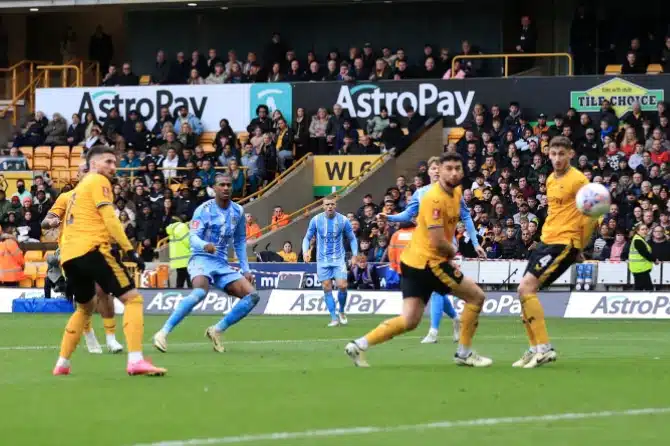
101 266
440 278
549 262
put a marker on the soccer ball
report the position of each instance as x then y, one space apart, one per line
593 200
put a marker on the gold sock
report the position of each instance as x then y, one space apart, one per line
87 325
110 325
133 323
73 331
529 331
469 323
534 312
386 330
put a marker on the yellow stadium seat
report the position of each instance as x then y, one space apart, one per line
43 151
33 256
455 134
26 283
42 269
60 163
77 151
28 153
42 163
145 79
175 187
361 132
243 137
207 137
30 270
39 282
61 152
75 161
48 253
612 70
654 68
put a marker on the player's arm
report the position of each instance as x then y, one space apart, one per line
432 213
197 232
466 218
410 211
56 213
240 245
311 231
349 232
102 198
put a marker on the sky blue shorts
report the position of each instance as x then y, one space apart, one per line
331 271
218 272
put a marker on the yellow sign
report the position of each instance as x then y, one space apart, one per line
621 93
334 172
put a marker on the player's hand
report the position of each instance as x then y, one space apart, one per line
481 252
250 277
210 248
135 257
306 257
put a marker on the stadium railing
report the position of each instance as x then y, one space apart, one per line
507 56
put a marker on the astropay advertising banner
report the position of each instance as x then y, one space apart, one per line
619 305
210 103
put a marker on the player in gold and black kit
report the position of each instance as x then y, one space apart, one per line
564 235
87 258
427 266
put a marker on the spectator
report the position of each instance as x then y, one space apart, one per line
275 73
253 231
392 136
284 145
207 173
128 78
75 132
262 120
148 226
331 71
251 161
32 133
317 132
376 125
235 76
161 72
633 65
456 73
511 247
527 43
90 124
381 72
287 253
367 147
101 48
111 78
617 251
130 162
56 131
170 164
660 246
191 119
301 133
12 261
238 179
225 136
187 137
279 218
199 64
212 61
21 192
113 124
194 78
5 207
179 70
128 227
363 276
30 230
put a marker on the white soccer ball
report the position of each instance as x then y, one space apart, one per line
593 200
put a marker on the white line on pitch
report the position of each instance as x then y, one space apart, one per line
366 430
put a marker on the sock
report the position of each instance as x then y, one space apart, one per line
449 307
385 331
135 356
534 312
342 299
133 324
238 312
529 332
110 325
73 331
330 304
88 326
62 362
184 308
436 310
469 322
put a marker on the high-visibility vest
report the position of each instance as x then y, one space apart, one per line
180 245
637 263
11 261
399 240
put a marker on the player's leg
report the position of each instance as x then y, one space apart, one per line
83 288
545 265
341 283
92 344
105 306
111 274
416 288
235 285
184 308
326 274
436 311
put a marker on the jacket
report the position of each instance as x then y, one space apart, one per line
192 120
179 244
11 260
56 132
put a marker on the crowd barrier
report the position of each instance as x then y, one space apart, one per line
573 305
452 99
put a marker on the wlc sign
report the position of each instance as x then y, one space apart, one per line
331 173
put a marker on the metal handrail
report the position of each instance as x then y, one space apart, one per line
276 181
90 65
306 210
27 89
47 68
507 56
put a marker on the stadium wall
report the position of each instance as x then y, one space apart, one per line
575 305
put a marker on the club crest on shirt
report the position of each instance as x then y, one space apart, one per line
195 224
436 213
106 192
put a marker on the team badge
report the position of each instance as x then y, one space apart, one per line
105 191
436 213
195 224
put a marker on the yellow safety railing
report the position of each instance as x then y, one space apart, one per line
85 67
16 79
46 71
26 93
278 180
306 210
508 56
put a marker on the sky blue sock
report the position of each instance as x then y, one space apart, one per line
449 307
330 304
342 299
184 308
238 312
436 310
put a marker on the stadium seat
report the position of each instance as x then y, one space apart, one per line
39 282
77 152
455 134
33 256
61 152
42 151
42 163
242 138
60 163
611 70
47 253
30 270
60 174
654 68
26 283
42 269
145 79
75 161
206 141
28 153
174 187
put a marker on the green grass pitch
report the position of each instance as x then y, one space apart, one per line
289 374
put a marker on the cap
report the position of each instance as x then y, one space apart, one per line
591 131
367 45
542 116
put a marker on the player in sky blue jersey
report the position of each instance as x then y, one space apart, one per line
216 224
438 304
330 228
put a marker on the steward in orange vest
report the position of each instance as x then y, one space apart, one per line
11 261
399 240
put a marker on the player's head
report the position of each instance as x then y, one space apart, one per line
451 169
560 153
102 160
329 206
82 171
434 168
223 184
